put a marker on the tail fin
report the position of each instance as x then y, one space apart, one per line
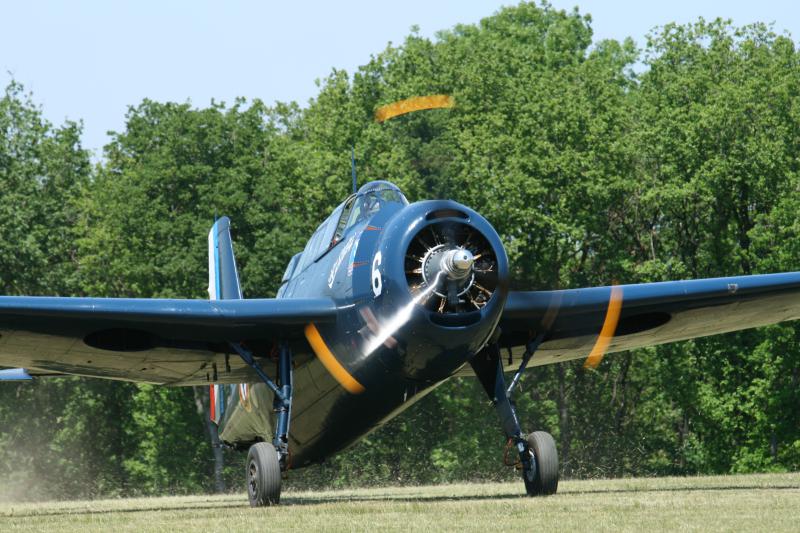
223 279
223 284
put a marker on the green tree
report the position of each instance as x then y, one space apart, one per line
43 171
55 441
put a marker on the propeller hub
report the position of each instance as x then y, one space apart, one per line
457 263
440 269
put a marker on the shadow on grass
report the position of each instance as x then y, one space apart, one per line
309 500
683 489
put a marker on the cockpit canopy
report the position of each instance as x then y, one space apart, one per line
369 199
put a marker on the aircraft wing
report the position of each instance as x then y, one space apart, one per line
576 322
177 342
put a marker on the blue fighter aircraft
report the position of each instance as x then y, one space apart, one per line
387 300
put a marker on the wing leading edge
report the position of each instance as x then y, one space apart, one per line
650 314
166 341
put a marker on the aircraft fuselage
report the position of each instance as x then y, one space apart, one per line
408 319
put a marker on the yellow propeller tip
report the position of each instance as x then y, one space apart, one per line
417 103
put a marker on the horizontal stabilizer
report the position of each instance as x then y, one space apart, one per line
15 374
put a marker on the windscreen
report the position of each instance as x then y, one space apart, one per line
371 202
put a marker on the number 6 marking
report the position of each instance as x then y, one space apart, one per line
377 282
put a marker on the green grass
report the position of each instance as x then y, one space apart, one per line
769 502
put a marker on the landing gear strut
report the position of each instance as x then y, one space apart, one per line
538 457
265 462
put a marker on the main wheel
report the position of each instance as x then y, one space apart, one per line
545 479
263 475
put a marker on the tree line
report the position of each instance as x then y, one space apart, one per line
595 161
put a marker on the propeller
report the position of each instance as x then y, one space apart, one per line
410 105
608 330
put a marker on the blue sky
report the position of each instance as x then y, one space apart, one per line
89 60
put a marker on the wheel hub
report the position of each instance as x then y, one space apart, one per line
253 480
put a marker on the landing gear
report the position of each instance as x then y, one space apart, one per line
263 475
538 458
266 462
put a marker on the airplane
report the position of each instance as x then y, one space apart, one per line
388 300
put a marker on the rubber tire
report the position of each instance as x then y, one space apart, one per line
263 473
545 482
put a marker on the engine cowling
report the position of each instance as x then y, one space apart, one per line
444 281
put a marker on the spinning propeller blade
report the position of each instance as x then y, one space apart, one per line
608 330
409 105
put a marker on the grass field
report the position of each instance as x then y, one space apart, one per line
724 503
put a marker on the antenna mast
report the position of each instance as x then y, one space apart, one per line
353 168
